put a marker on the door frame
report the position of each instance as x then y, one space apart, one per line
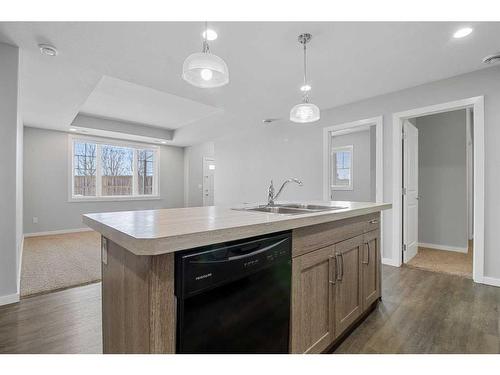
477 103
205 159
349 127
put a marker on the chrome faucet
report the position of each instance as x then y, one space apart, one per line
271 197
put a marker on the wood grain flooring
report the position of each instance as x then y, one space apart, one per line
421 312
429 312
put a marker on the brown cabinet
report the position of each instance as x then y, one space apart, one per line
334 280
348 290
312 301
370 268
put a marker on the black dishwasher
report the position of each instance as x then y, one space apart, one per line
235 297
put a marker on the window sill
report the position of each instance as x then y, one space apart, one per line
342 188
114 199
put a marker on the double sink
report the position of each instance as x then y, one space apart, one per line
292 208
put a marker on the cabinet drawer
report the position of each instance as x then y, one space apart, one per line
314 237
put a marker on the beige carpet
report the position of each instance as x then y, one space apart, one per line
450 262
60 261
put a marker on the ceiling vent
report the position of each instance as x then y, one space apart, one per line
270 120
491 59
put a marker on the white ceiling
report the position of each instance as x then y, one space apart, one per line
348 61
122 100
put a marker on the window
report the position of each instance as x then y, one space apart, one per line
104 170
341 163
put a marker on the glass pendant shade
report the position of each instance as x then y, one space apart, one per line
205 70
304 113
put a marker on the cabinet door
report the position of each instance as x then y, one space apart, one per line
348 293
312 320
371 268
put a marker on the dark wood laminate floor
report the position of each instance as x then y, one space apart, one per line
421 312
68 321
429 312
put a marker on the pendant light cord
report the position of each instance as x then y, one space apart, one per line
206 48
305 65
305 98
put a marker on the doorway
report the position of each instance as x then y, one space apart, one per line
405 231
436 181
208 180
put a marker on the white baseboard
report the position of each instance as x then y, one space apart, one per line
53 232
490 281
444 247
390 262
8 299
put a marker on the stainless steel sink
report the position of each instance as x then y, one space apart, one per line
310 207
292 208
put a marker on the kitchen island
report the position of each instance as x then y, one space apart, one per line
335 257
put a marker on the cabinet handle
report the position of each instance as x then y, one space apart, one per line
342 268
366 249
374 221
340 274
332 269
337 265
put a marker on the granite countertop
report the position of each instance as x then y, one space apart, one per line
154 232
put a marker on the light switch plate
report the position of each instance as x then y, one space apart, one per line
104 250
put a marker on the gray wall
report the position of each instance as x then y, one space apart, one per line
46 182
193 172
248 160
363 190
10 170
442 180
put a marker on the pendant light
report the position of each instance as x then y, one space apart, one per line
305 112
204 69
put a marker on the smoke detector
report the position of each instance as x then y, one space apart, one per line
491 59
47 49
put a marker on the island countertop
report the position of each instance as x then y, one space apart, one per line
154 232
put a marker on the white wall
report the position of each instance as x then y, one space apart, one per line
248 160
46 184
193 172
10 170
363 175
442 207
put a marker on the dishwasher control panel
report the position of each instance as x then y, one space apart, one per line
206 268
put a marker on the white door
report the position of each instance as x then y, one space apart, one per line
208 181
410 191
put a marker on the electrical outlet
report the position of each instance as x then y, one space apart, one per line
104 250
35 220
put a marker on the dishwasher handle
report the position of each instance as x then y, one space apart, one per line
264 249
243 256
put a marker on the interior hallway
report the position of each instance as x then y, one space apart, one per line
449 262
420 312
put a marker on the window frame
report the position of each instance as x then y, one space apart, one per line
118 143
333 186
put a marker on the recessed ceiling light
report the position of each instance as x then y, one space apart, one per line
162 142
47 49
209 34
461 33
72 129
